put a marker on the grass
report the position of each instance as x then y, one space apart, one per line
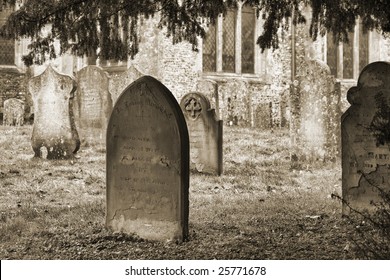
258 209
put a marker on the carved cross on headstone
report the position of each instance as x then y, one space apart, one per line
193 108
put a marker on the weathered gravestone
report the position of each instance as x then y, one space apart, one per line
92 103
366 139
148 163
315 116
264 115
119 81
54 131
205 133
13 112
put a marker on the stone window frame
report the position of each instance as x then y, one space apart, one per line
4 13
259 57
20 48
355 54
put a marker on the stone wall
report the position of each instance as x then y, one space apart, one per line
175 65
13 84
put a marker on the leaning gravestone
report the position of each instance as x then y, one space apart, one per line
92 103
205 133
119 81
366 139
54 132
13 112
148 163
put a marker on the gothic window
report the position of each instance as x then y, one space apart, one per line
7 47
229 45
248 40
209 50
229 42
346 60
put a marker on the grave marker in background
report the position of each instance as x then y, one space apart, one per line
13 112
205 133
366 138
92 103
54 131
314 116
263 115
119 81
148 163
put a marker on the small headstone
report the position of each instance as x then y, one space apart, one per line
264 116
148 163
366 139
205 132
92 103
119 81
13 112
54 131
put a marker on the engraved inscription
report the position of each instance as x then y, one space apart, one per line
144 164
92 105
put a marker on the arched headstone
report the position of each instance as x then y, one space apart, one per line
148 163
92 104
366 139
54 131
205 132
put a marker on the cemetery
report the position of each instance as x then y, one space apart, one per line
170 152
134 195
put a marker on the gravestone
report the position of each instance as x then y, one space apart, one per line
13 112
54 131
148 163
119 81
314 116
366 139
205 132
92 103
264 115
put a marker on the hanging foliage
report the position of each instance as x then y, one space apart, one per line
110 28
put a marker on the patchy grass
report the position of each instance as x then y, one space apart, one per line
258 209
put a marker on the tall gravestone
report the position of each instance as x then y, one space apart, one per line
366 139
13 112
119 81
54 131
205 132
148 163
92 104
314 116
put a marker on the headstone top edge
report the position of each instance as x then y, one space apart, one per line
199 94
94 67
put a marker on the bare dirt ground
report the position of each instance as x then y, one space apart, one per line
258 209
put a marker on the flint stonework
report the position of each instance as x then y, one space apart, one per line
54 132
148 163
205 132
366 139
